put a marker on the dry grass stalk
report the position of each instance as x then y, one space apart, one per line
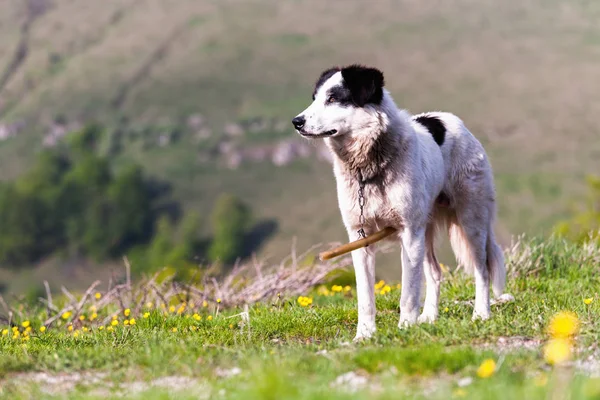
246 283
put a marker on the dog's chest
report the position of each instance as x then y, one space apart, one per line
379 208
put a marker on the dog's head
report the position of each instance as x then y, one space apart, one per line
343 100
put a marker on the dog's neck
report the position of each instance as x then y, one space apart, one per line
369 151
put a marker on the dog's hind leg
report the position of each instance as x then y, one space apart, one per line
433 278
364 271
413 252
469 237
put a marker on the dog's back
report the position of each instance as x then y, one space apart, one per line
463 154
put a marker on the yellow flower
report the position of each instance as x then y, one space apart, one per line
197 317
487 368
28 329
126 322
25 338
114 322
146 314
66 315
446 309
93 309
4 332
93 316
557 351
218 300
98 296
385 289
70 328
42 329
347 288
305 301
588 301
132 321
114 317
126 312
209 318
110 329
82 317
100 327
181 309
172 309
85 329
205 303
563 325
174 330
379 285
337 288
25 324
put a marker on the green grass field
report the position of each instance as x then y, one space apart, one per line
287 349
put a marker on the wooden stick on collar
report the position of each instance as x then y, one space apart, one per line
347 248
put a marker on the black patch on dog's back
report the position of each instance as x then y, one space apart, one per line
435 126
323 78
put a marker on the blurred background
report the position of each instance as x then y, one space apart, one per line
160 129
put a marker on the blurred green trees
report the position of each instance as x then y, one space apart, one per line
230 221
75 203
72 201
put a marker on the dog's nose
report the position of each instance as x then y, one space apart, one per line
299 122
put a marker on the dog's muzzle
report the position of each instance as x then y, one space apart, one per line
299 123
318 135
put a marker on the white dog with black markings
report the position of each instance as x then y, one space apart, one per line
413 173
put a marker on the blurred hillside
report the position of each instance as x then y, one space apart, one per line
200 93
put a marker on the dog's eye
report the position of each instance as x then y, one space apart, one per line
331 99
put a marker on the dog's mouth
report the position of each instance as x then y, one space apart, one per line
317 135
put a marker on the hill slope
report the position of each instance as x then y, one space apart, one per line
518 73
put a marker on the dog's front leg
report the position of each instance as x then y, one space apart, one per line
364 270
413 252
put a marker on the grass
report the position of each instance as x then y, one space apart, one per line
287 350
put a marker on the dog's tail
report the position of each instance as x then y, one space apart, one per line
494 257
495 264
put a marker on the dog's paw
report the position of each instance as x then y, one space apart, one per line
427 317
407 319
364 333
504 298
481 315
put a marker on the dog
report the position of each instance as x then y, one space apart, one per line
416 173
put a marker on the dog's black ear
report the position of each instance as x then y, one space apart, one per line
365 84
324 76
